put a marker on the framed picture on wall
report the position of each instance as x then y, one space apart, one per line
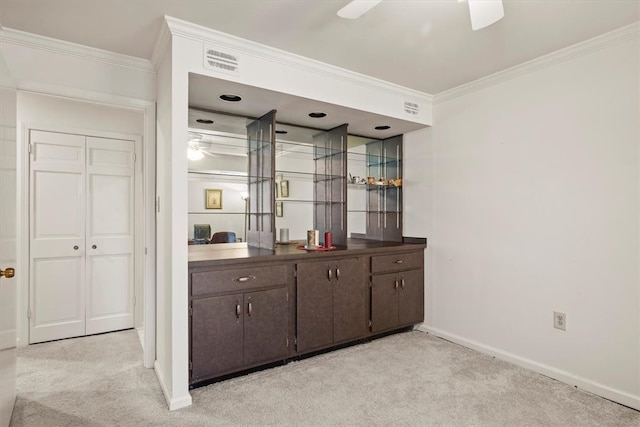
213 199
279 209
284 188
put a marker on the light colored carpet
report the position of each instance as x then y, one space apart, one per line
407 379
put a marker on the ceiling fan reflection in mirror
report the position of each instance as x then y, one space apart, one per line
482 12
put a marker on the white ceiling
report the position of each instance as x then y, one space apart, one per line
426 45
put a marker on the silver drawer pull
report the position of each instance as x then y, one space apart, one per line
329 274
238 310
245 278
395 282
402 283
399 261
337 273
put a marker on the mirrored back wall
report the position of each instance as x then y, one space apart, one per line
222 165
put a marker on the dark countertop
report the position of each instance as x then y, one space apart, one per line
234 253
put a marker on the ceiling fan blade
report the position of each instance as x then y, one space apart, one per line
484 13
357 8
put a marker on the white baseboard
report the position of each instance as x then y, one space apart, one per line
618 396
174 403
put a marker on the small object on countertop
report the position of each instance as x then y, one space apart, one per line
316 249
313 238
284 235
328 239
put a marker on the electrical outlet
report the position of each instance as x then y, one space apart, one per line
559 320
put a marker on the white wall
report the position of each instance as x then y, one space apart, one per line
535 210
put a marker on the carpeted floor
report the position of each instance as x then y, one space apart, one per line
408 379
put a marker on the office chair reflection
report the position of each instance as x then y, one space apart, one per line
223 237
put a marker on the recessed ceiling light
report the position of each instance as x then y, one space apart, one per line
230 97
205 121
384 127
317 115
280 131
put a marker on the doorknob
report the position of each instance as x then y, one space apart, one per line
8 272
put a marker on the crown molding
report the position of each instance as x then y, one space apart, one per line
60 47
586 47
162 42
202 34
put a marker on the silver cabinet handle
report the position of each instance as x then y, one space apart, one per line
337 273
402 282
395 284
399 261
329 274
249 308
245 278
238 310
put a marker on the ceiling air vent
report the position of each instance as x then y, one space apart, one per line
217 60
411 108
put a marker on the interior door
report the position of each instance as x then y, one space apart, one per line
57 230
8 284
109 235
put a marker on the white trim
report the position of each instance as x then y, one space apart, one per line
202 34
586 384
84 95
162 42
580 49
35 41
139 212
174 404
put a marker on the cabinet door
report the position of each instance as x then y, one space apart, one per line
384 302
314 306
265 326
411 297
216 336
349 300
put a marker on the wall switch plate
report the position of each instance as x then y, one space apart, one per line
559 320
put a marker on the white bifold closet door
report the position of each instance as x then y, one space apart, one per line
81 235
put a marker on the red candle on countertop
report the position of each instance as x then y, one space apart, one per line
328 239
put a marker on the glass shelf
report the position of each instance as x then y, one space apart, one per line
214 213
284 175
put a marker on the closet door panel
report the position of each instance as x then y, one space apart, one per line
56 246
110 234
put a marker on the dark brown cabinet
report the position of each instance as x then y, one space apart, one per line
231 332
397 291
239 319
250 313
331 302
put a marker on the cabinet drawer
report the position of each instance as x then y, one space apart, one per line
241 279
396 262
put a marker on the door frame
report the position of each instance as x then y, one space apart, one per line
138 206
145 251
